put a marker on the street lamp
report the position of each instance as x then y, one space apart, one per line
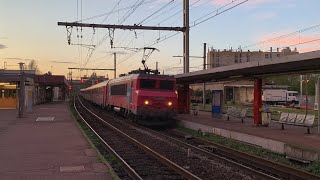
306 82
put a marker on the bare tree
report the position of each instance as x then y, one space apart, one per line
33 65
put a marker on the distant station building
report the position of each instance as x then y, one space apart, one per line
9 86
38 88
84 82
217 58
50 88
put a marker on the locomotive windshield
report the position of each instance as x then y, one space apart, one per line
156 84
147 84
166 85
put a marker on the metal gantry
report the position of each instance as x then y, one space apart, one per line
184 29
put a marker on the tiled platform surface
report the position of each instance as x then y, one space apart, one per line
46 144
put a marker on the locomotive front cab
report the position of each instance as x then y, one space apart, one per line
156 98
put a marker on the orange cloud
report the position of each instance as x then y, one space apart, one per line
303 42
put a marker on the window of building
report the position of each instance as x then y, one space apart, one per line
266 56
278 55
7 93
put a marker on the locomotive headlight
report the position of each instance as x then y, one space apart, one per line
146 102
169 103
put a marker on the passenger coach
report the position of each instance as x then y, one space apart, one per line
148 97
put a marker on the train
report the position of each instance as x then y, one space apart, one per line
150 99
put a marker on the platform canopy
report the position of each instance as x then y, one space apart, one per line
295 64
14 75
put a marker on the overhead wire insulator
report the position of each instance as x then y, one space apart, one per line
69 32
81 33
111 35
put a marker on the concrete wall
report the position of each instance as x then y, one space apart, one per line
269 144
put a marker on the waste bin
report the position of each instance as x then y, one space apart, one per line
266 116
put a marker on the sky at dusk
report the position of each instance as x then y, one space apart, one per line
29 30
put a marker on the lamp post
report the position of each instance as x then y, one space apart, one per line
306 80
21 91
318 101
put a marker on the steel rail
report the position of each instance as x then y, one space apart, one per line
223 159
267 165
131 172
148 150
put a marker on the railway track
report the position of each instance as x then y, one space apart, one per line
276 169
139 161
185 157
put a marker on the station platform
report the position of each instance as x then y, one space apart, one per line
292 141
46 144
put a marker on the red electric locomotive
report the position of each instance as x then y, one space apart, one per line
149 98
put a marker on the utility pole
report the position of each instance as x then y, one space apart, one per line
204 55
306 81
301 77
186 36
21 91
318 102
204 67
115 65
156 65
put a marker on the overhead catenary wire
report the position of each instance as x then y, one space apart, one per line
171 15
218 13
111 12
137 4
283 36
163 7
90 52
166 18
167 36
172 34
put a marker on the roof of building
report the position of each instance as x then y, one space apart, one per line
13 75
294 64
54 80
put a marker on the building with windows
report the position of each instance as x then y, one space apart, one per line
240 91
217 58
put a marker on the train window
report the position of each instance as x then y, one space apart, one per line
166 85
147 84
120 89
